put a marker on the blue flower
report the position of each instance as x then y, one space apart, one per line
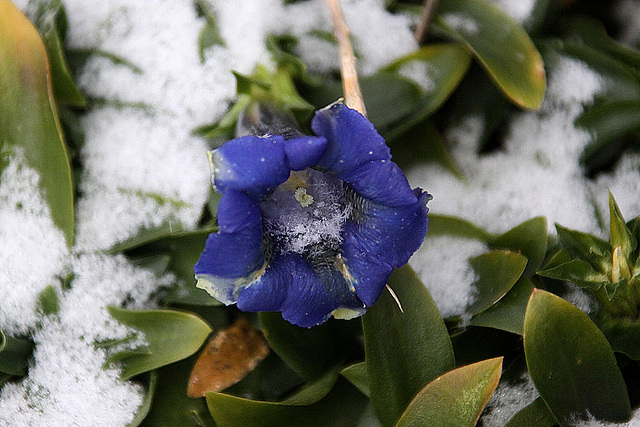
310 226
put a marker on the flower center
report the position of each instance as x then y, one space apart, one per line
306 214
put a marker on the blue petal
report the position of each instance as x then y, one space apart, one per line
230 256
382 238
305 151
352 139
381 181
269 291
251 164
305 297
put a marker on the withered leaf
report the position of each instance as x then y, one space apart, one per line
227 358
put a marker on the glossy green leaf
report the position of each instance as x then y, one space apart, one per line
14 354
586 247
170 406
404 350
444 65
571 363
357 375
536 414
456 399
170 336
29 123
529 239
623 335
311 352
496 272
501 45
47 17
452 226
318 404
578 272
508 313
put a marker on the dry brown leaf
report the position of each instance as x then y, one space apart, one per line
227 358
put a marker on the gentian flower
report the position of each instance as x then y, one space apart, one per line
311 226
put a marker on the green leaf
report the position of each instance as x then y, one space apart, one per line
404 351
452 226
145 407
623 335
445 65
29 123
597 252
455 399
536 414
47 19
14 354
608 124
48 302
529 239
357 375
577 272
170 406
501 45
311 352
170 336
496 272
571 363
150 235
593 33
312 406
508 313
620 235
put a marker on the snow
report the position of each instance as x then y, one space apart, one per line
462 23
520 10
536 173
33 251
67 383
507 400
442 262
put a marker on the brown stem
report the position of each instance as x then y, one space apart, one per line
425 18
350 85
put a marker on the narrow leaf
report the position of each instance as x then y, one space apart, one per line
313 406
452 226
29 123
597 252
577 272
404 351
571 363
